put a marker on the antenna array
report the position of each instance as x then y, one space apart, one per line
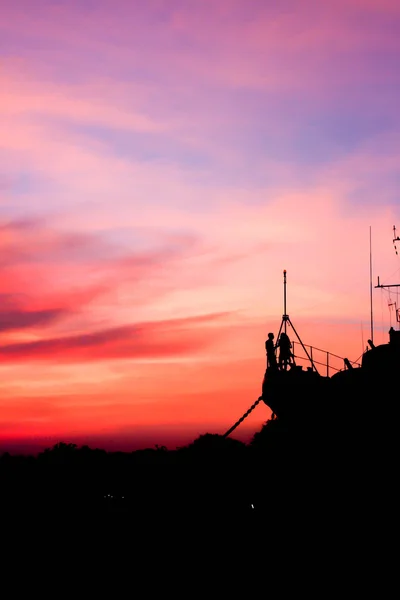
395 239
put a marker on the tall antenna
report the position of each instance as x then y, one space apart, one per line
370 283
285 317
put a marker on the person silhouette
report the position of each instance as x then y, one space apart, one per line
270 349
285 353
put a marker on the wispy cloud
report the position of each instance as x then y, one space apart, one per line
143 340
18 319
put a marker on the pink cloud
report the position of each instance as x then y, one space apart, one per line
93 104
142 340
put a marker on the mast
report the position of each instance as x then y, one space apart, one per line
370 284
286 320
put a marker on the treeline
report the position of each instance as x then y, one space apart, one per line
212 473
284 474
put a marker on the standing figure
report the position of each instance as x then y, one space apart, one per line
285 354
270 349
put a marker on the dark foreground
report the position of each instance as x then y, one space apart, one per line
216 496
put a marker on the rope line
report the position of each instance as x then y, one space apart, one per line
246 414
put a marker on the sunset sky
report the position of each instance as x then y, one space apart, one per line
161 163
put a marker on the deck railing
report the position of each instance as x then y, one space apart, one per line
321 357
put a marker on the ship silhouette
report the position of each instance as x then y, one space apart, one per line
297 395
315 396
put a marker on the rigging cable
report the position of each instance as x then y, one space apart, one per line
354 362
362 336
390 304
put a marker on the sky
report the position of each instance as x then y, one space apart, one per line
161 164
